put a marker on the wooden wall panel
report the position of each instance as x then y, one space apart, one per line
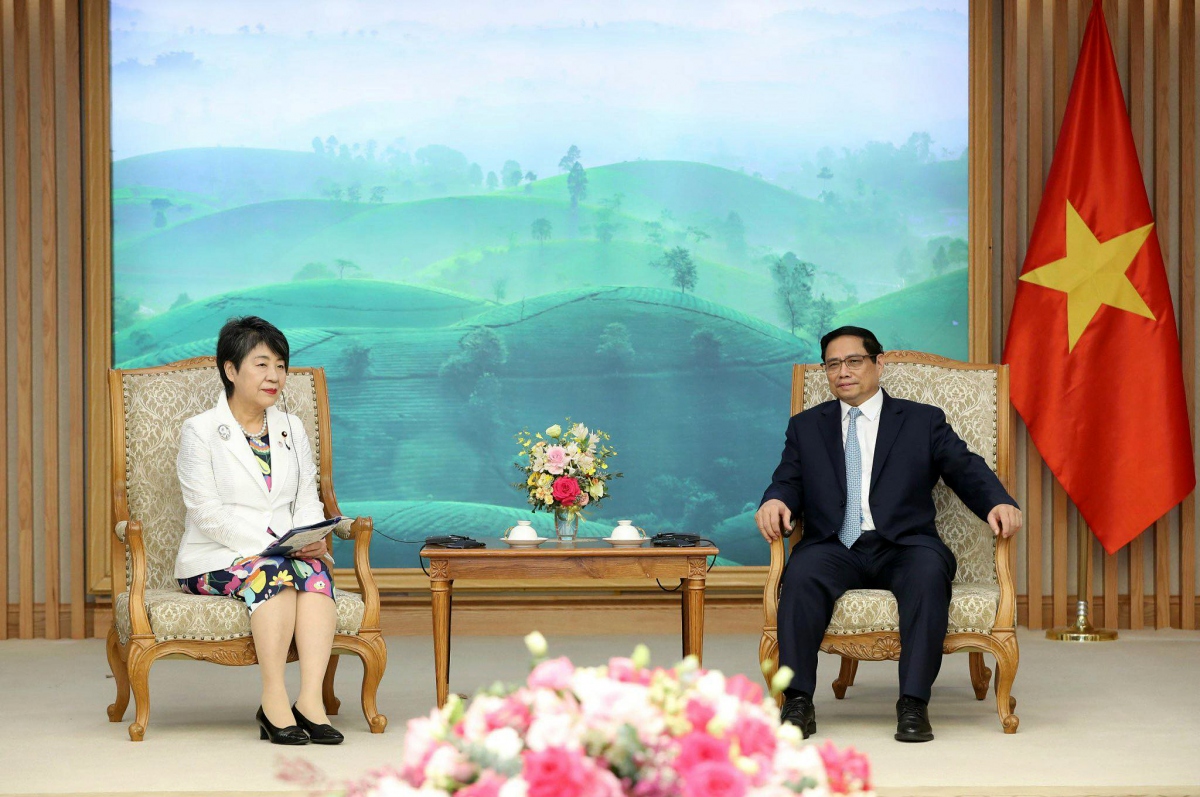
42 316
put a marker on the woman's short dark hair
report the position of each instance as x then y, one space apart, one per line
239 337
870 342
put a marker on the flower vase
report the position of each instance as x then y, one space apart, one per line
566 525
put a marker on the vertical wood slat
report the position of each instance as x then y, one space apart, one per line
73 259
1111 562
1187 291
1137 63
1162 217
979 234
24 302
1058 525
3 352
1008 149
1035 180
1059 556
50 315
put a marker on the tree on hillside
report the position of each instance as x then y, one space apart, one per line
160 208
906 266
570 159
615 348
654 232
698 234
613 202
577 185
606 230
511 174
500 289
313 271
821 317
334 192
733 232
474 175
541 230
678 262
331 145
318 145
492 181
354 192
355 361
341 265
706 347
377 193
530 179
940 262
372 145
481 351
180 301
825 174
793 279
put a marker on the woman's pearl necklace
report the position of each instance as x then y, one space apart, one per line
261 431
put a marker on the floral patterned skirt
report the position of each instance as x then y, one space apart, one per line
257 579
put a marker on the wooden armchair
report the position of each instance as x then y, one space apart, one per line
865 623
153 619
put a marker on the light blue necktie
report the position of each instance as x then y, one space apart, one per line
852 524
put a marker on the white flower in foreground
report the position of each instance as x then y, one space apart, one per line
516 787
536 643
641 656
504 743
781 680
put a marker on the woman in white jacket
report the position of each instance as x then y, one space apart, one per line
247 475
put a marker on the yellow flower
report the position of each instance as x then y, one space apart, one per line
545 480
554 431
532 479
282 577
257 582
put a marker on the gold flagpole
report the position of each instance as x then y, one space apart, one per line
1082 630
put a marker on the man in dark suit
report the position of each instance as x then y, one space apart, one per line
860 472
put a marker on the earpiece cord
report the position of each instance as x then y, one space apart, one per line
679 586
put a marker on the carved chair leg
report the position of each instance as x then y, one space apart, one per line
139 678
332 704
116 711
845 677
768 659
374 659
1006 673
980 675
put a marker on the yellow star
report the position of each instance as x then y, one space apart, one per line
1093 274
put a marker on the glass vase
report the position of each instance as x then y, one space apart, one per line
566 525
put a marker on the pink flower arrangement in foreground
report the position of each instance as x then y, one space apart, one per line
621 730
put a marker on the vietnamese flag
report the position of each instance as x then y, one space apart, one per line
1092 346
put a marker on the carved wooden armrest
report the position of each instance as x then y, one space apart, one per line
119 530
361 531
344 528
771 589
139 620
1006 549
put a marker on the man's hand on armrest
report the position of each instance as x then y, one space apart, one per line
1005 520
773 519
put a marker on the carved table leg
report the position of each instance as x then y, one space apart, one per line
845 677
980 675
332 704
440 586
120 671
693 608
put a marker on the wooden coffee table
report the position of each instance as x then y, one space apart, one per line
583 558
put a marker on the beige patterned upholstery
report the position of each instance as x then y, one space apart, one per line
152 617
176 615
972 610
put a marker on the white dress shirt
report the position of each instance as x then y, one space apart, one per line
867 426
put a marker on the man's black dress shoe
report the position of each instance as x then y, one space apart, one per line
320 734
912 721
800 712
292 734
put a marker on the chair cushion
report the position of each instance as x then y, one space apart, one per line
177 615
973 609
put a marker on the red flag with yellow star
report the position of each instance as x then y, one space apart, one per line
1092 345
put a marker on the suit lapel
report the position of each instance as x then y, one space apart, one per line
831 433
891 418
237 444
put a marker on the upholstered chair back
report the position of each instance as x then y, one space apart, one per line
155 402
968 396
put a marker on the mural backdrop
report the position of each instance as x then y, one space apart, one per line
485 216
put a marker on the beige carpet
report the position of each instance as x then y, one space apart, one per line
1114 719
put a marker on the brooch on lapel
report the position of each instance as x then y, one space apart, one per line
223 430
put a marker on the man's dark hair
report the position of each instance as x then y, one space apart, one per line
239 337
870 342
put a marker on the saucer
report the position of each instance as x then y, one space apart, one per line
633 543
535 542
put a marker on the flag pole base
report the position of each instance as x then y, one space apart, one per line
1081 630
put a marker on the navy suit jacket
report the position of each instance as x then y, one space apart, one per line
914 448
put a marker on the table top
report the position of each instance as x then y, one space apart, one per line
580 547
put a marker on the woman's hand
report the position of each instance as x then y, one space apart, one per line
314 550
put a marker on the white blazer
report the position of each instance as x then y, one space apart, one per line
229 508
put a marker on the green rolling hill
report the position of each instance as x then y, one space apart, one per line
930 316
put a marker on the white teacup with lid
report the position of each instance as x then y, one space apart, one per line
625 530
524 530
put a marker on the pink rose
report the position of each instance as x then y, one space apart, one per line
552 674
714 779
744 689
697 748
848 770
754 736
566 490
699 713
624 670
488 785
555 772
556 459
512 713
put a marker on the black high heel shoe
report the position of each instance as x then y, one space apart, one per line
319 734
292 734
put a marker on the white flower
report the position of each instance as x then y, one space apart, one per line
515 787
781 680
553 730
536 644
579 431
504 743
711 684
596 489
554 431
641 656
